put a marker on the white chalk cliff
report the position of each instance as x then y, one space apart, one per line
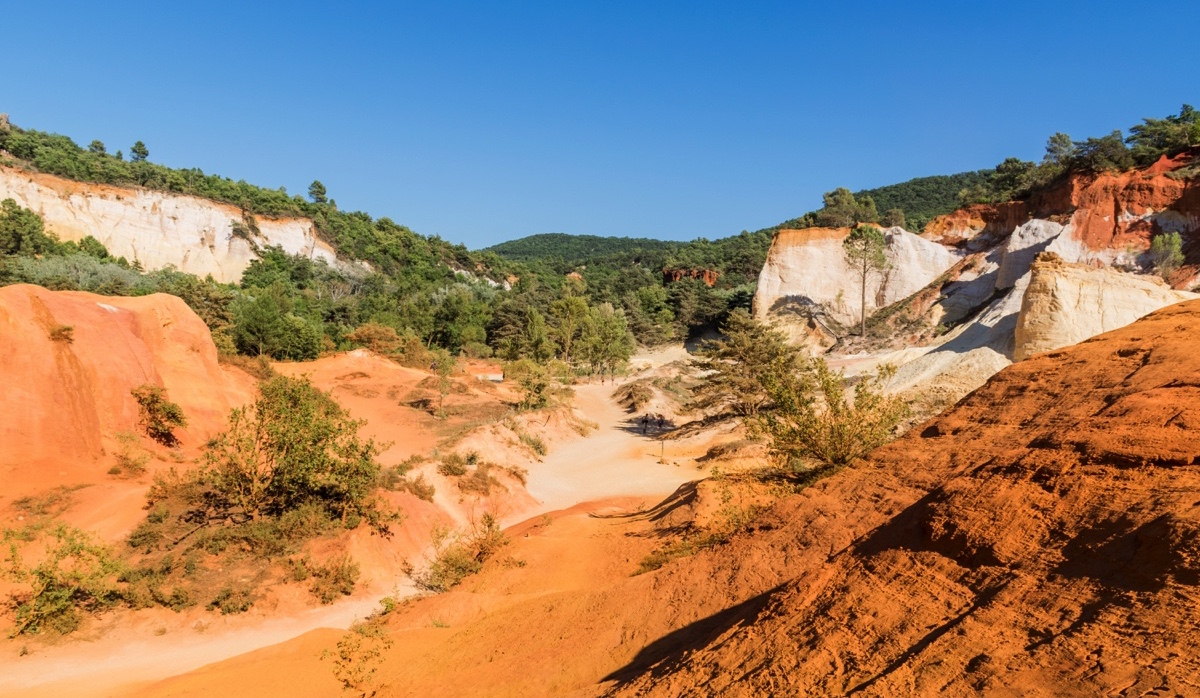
1068 303
156 228
807 269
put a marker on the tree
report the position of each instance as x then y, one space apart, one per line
812 417
159 416
739 367
894 218
1060 149
316 192
606 341
569 314
444 366
1104 153
294 446
864 249
22 232
1155 137
139 152
1166 253
535 341
97 148
842 210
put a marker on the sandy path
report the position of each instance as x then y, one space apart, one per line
612 461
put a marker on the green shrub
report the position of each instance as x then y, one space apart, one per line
62 333
294 446
159 416
336 577
535 443
230 601
458 557
76 575
453 465
480 481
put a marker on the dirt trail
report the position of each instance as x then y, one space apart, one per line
615 460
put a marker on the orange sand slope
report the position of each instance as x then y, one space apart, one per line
63 402
1038 539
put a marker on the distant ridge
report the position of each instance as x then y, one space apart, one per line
574 248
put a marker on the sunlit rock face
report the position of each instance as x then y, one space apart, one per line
157 228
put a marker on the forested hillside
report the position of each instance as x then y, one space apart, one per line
421 295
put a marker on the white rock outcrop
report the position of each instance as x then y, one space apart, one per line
807 269
156 228
1068 303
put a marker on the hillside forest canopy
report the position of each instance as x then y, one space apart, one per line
545 297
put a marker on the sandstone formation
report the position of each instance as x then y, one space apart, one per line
1067 303
1040 538
65 400
157 228
951 321
806 270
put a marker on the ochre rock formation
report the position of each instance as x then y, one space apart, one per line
156 228
65 401
807 268
978 220
708 276
1041 538
1067 303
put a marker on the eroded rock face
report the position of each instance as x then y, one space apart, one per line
807 269
156 228
1068 303
1039 538
65 401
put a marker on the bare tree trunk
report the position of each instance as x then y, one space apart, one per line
862 332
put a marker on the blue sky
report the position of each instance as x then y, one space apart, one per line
486 121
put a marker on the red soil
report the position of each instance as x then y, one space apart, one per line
1038 539
65 401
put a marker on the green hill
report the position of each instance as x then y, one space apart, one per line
574 248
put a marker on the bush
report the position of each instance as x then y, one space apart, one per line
159 416
535 443
62 333
131 462
480 481
75 576
453 465
294 446
230 601
813 418
458 557
335 578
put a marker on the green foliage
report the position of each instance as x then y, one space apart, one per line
1153 138
75 576
62 333
924 198
605 342
844 210
575 248
359 656
1166 253
534 380
158 416
22 232
458 556
453 465
317 193
738 368
332 579
295 446
864 248
812 417
232 600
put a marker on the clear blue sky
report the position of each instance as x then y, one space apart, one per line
486 121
